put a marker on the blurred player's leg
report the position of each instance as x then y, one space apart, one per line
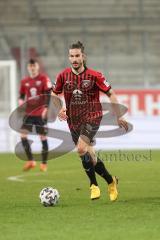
41 129
30 163
25 129
43 165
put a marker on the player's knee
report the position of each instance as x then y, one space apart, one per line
81 150
23 135
43 137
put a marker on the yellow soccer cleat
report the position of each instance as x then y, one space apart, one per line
43 167
29 165
95 192
112 189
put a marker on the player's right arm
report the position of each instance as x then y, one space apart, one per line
21 98
57 89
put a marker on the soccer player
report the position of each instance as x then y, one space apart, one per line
31 89
81 87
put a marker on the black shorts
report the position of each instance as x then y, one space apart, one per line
89 130
29 122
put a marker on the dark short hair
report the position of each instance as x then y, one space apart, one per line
77 45
32 61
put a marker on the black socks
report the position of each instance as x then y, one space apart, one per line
99 168
28 151
44 151
89 168
102 171
27 148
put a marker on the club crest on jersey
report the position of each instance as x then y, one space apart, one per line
86 83
33 92
27 84
38 83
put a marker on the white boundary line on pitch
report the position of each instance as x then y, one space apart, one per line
20 178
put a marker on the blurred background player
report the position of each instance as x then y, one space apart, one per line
83 112
31 87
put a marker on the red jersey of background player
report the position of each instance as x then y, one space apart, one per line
33 89
81 93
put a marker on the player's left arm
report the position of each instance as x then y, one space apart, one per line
105 87
47 93
57 89
59 105
117 109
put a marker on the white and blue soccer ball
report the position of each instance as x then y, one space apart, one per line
49 196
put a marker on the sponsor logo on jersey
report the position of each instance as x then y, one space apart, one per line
77 96
77 92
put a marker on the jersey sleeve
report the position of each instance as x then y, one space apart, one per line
47 84
22 88
58 85
102 83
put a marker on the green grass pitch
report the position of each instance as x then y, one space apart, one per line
134 216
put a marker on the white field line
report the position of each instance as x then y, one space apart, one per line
22 178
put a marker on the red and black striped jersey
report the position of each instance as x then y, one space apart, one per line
82 94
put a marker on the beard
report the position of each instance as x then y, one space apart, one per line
79 65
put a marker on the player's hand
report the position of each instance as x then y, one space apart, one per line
123 123
62 115
44 113
20 102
